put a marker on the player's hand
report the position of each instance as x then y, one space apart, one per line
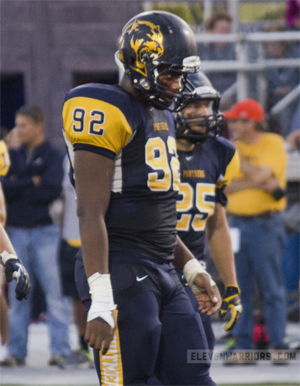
232 303
36 180
14 269
101 319
99 334
206 306
208 295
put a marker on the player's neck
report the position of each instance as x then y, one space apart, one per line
184 145
126 85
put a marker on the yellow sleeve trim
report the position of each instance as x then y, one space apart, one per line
74 243
231 170
95 122
4 159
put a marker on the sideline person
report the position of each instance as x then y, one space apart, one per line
33 183
256 198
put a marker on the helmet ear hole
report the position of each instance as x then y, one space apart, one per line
145 58
127 59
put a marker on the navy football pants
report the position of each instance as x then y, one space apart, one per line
156 327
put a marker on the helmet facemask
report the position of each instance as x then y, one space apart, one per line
212 124
161 96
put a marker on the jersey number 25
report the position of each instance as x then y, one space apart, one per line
199 199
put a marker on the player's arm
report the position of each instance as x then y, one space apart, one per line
2 207
14 268
219 242
198 279
93 176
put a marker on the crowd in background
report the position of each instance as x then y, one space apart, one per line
280 80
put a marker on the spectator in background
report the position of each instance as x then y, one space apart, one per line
293 139
68 247
281 80
255 201
219 23
32 184
292 14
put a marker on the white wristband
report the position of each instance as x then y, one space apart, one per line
102 298
7 256
191 270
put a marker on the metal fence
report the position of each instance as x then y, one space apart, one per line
251 65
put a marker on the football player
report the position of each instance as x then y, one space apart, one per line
12 266
121 143
207 163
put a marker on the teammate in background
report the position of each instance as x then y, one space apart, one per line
255 200
4 167
12 266
207 164
122 147
68 247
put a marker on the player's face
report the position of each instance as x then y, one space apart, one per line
238 128
172 80
27 129
197 109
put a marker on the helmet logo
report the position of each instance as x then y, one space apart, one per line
145 38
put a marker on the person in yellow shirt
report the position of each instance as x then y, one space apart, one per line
256 196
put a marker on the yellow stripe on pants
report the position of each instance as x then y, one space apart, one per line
111 363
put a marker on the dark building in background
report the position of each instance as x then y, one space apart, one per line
47 47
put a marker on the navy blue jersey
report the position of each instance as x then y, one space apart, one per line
205 171
141 217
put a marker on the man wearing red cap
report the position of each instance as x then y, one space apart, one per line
255 200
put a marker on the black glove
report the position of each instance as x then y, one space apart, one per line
14 269
231 302
278 194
